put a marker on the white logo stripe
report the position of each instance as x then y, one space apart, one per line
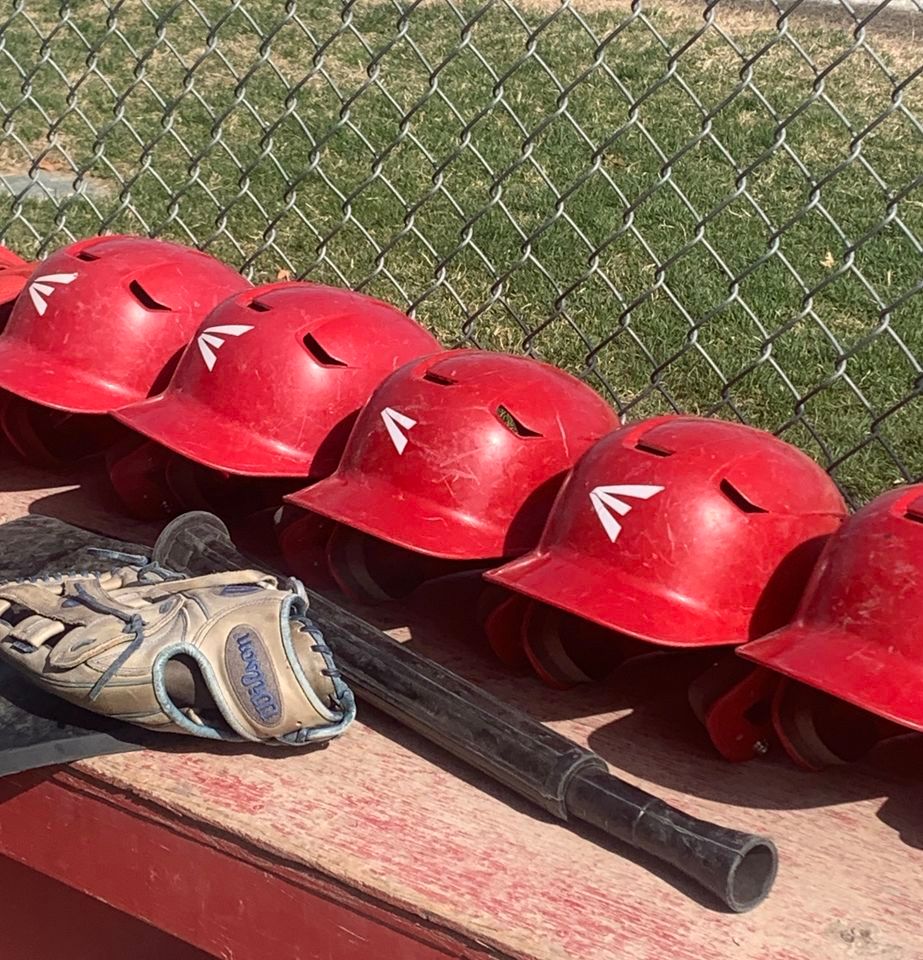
619 506
393 421
208 339
42 286
37 301
230 329
64 278
606 499
208 355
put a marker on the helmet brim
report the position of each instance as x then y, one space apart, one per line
196 432
589 589
844 665
373 507
14 272
36 376
12 279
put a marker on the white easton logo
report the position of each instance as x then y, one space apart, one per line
42 287
210 338
393 421
606 502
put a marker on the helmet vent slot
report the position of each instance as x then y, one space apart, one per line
738 499
514 425
86 256
320 354
437 378
144 298
655 451
915 509
258 306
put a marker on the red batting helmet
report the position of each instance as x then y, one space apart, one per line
274 377
101 320
459 456
858 633
678 531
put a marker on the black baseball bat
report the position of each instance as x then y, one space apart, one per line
544 767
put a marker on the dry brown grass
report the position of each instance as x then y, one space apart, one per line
896 34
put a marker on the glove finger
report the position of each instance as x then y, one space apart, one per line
36 630
25 658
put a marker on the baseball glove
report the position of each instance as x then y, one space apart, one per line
227 656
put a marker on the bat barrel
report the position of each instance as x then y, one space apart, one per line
739 868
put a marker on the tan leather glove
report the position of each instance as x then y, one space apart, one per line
226 656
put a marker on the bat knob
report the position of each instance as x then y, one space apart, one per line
739 868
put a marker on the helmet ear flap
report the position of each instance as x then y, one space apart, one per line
566 650
818 730
349 563
373 571
302 538
229 495
45 437
18 423
137 474
502 623
187 484
546 649
734 701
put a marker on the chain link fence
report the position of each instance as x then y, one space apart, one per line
714 208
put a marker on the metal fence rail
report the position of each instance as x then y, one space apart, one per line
715 208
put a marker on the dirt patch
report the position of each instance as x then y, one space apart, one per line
896 32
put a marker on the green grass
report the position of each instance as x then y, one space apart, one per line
353 161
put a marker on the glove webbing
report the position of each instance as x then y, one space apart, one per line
54 611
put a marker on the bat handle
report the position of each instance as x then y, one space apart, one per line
739 868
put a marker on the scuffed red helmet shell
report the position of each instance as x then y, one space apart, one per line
682 531
274 377
858 633
460 455
100 322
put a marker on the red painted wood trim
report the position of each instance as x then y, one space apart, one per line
42 919
209 890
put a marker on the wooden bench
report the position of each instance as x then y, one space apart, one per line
381 846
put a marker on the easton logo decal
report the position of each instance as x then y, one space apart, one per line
43 287
212 339
252 675
394 422
607 502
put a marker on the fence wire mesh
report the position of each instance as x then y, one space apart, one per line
711 208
